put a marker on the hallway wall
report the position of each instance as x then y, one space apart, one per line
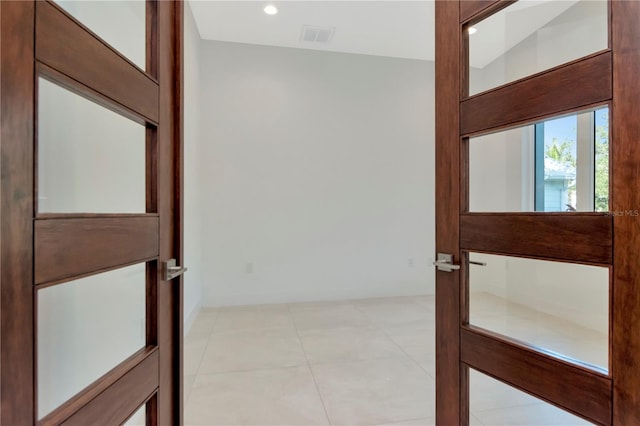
316 175
193 244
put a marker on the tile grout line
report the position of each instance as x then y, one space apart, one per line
379 326
252 370
507 407
204 351
315 382
472 414
382 330
413 360
401 421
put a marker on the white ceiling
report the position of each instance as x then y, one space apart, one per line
402 29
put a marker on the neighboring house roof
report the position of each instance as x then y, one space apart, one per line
555 170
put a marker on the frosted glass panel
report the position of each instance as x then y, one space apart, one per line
495 403
557 165
122 24
139 418
85 328
556 306
90 159
532 36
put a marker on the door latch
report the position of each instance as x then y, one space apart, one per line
445 263
172 271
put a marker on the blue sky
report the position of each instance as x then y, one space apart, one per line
565 128
561 128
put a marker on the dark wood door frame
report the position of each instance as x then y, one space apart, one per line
17 51
625 181
451 378
609 77
25 53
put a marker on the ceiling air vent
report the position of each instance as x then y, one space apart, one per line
317 34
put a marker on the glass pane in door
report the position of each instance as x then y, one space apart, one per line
139 418
558 307
557 165
532 36
495 403
122 24
90 159
86 327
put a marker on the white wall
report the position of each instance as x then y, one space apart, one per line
193 244
501 178
317 175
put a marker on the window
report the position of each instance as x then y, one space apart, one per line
572 163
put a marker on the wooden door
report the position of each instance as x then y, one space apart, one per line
91 151
604 241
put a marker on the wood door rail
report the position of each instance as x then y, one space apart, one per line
479 9
139 374
570 387
65 46
65 248
569 87
585 238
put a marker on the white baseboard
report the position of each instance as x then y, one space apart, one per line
266 299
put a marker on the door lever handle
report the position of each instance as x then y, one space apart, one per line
172 271
445 263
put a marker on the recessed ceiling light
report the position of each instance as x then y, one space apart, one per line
270 10
472 30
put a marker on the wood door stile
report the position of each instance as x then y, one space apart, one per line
16 211
450 379
625 163
169 311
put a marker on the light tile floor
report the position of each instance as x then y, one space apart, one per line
360 362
